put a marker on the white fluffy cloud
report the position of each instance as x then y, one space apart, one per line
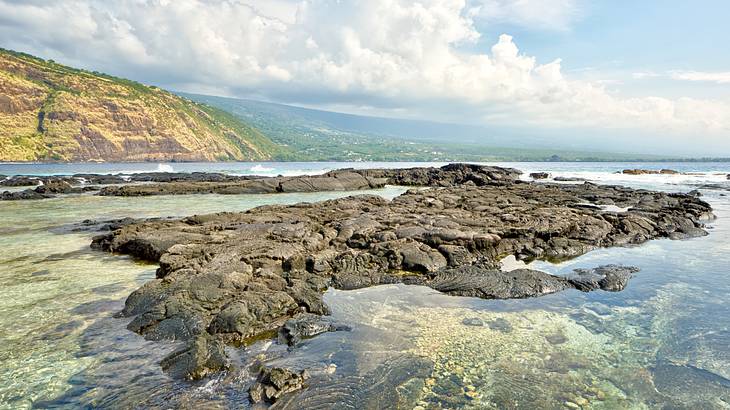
391 54
713 77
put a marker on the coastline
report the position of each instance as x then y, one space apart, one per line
452 261
652 270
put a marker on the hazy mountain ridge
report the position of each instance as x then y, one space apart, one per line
53 112
325 135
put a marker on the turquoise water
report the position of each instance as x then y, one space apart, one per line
661 343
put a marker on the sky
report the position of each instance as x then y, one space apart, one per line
651 75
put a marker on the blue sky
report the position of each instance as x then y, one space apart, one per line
651 73
670 34
611 40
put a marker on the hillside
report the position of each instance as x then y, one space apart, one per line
317 135
50 112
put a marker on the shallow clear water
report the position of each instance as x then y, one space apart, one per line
54 288
661 343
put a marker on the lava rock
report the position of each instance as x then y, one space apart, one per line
239 277
23 195
274 382
569 179
200 357
611 278
305 326
649 172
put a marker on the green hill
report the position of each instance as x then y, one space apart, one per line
51 112
316 135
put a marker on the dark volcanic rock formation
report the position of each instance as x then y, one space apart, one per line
305 326
340 180
569 179
180 183
275 382
476 281
23 195
201 356
48 188
649 171
19 180
213 184
238 277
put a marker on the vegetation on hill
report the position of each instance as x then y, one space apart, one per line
52 112
315 135
49 111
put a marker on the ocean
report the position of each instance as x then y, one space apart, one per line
661 343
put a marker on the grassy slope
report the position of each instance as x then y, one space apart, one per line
53 112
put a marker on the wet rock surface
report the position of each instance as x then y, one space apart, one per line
305 326
649 172
240 277
476 281
275 382
171 183
393 385
222 184
340 180
612 278
569 179
23 195
200 357
46 187
181 183
690 384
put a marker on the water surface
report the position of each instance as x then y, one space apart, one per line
661 343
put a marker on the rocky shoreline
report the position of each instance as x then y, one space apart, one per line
163 183
174 183
234 278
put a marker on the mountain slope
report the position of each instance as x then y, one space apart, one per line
52 112
324 135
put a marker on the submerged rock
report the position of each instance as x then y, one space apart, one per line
472 321
539 175
275 382
612 278
239 277
395 384
690 387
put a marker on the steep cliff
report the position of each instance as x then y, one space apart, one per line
52 112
